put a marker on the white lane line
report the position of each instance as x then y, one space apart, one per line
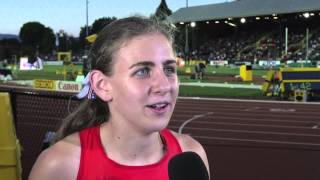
193 118
252 109
281 110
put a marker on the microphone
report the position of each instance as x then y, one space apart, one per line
187 166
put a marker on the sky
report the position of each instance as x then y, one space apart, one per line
70 15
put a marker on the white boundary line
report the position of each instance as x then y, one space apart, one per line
193 118
249 100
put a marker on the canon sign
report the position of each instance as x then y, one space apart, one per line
68 86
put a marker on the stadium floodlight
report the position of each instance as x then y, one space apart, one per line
243 20
230 24
61 33
193 24
306 15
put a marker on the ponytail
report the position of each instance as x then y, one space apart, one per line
90 112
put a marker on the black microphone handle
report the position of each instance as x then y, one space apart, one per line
187 166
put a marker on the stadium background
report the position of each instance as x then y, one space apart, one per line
249 146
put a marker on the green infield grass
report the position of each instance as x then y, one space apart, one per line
52 72
220 92
69 72
219 71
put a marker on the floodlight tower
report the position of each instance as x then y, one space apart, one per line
87 18
186 48
86 48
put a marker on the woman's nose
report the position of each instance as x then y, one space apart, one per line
160 83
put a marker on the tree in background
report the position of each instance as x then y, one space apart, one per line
82 37
47 42
100 23
36 38
9 48
162 11
63 39
161 14
96 27
74 45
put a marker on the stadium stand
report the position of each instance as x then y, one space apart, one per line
219 33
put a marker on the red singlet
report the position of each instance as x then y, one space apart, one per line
95 164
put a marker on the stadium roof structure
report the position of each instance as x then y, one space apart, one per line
243 8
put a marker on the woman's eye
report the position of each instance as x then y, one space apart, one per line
170 71
144 72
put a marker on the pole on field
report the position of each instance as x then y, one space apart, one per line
286 41
307 43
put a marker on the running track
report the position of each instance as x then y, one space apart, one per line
254 140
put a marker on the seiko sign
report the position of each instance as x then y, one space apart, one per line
44 84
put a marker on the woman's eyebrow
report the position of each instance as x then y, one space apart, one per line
142 63
169 61
150 63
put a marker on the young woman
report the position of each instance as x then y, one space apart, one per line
119 132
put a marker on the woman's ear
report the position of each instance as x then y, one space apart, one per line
100 84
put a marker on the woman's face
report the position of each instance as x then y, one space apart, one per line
144 83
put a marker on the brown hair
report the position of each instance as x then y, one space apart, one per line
110 39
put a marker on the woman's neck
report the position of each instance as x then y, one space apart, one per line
129 147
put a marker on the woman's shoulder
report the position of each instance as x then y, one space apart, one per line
59 161
188 143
